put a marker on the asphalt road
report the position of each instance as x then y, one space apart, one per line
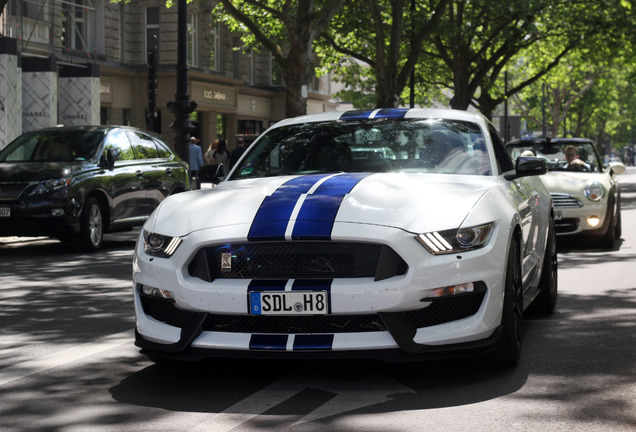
68 363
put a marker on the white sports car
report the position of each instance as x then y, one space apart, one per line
586 193
304 251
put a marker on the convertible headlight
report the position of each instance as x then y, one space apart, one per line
594 191
160 245
456 240
46 186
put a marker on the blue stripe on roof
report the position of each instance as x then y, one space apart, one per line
379 114
318 213
356 115
273 215
392 113
313 342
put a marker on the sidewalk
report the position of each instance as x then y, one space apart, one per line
13 240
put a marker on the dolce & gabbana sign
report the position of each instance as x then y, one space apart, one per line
214 95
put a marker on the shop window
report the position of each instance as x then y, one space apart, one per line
250 127
126 116
104 115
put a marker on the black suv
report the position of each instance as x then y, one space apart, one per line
75 183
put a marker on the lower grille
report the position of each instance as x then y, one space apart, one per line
440 311
11 191
297 260
566 225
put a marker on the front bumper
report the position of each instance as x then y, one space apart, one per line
211 318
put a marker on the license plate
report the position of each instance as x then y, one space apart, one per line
288 303
5 212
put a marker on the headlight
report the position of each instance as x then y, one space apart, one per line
456 240
160 245
594 191
46 186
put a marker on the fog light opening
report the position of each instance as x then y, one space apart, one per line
155 292
449 291
593 221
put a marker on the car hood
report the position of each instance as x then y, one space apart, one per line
412 202
35 171
571 182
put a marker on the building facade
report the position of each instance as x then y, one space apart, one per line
86 62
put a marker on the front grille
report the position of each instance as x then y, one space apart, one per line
11 191
440 311
560 200
297 260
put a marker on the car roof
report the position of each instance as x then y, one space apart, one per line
522 142
88 128
386 113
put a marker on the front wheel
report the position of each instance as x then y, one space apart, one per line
545 302
91 226
508 349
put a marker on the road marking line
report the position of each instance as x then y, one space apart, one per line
24 369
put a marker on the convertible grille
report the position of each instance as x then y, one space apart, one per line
438 312
297 260
560 200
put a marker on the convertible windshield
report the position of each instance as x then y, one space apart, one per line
404 145
561 156
53 146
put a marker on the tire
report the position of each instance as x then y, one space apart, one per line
618 229
608 239
545 302
508 348
91 234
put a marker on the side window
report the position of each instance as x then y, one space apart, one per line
120 142
504 161
163 152
144 145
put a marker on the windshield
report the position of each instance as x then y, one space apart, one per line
53 146
561 156
384 145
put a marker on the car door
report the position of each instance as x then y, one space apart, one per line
527 191
149 170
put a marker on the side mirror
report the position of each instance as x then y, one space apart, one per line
109 157
528 166
211 174
617 167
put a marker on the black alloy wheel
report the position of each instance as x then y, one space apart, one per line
508 349
545 302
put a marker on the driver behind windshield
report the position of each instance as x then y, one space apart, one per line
573 160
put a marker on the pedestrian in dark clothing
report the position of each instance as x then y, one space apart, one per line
237 152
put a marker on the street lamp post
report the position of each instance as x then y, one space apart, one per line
182 107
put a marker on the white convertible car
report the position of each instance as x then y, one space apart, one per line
586 193
305 251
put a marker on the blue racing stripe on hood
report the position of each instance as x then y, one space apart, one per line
274 213
318 213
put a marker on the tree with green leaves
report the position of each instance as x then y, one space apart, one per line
288 30
387 36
